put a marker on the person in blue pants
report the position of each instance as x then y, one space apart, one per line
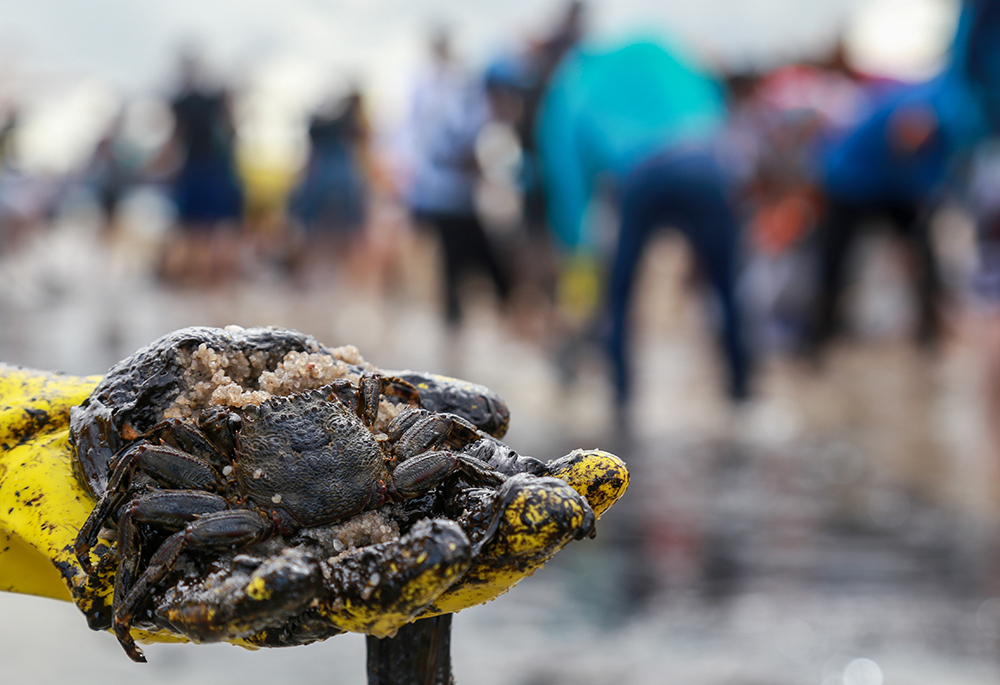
682 188
646 117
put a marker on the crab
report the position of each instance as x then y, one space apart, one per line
236 477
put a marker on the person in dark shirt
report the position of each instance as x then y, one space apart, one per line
206 188
331 197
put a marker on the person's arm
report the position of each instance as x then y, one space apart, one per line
567 188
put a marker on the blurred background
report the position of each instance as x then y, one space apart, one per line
802 369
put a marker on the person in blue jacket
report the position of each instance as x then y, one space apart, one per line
646 117
891 165
899 162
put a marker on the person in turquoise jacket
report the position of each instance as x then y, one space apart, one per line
645 116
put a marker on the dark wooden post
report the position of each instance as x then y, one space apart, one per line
419 654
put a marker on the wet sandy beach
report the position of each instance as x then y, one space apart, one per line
841 528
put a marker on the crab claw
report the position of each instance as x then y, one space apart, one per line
377 589
233 603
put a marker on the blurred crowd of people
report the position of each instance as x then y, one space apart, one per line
771 177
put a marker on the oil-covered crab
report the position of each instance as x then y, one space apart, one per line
290 463
228 485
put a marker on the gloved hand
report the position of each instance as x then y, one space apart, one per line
43 504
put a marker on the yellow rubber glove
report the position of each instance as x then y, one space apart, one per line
42 506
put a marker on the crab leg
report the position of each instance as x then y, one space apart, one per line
417 475
416 430
165 464
478 472
170 509
364 399
174 468
443 395
174 509
416 434
192 440
215 530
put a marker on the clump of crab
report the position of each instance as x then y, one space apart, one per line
255 484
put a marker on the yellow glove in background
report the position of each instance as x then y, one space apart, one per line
579 288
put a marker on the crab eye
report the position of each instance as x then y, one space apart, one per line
235 421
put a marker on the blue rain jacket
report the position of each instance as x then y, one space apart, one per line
608 109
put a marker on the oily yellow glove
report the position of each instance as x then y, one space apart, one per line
43 505
42 501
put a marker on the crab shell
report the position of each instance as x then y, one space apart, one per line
309 460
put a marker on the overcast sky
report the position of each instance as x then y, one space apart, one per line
132 42
294 50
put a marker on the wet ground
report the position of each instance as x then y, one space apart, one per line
840 528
